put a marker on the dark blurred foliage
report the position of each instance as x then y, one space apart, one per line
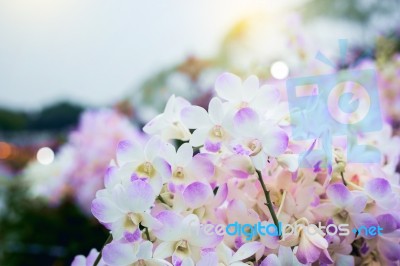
55 117
32 233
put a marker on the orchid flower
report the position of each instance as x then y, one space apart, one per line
182 237
240 166
125 208
246 94
81 260
285 257
184 167
224 256
255 139
311 246
210 131
122 253
143 162
346 206
168 124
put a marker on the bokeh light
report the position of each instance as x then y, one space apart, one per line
5 150
279 70
45 156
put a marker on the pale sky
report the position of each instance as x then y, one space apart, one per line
95 51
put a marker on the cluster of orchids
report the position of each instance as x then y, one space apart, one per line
237 163
80 163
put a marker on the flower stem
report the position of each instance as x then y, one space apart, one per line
268 198
109 239
147 233
343 180
161 199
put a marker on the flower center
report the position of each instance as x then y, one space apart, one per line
343 214
178 173
217 132
182 247
146 169
255 147
243 105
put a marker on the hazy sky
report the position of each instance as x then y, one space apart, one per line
94 51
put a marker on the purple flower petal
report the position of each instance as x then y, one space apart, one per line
207 259
362 222
307 252
133 236
119 254
378 188
246 121
339 194
171 226
139 195
197 194
201 167
275 141
128 151
105 210
212 146
387 222
357 203
111 178
389 249
271 260
221 195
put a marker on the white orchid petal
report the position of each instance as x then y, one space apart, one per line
246 250
195 117
228 87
